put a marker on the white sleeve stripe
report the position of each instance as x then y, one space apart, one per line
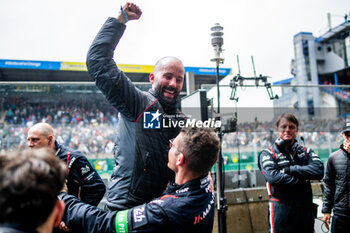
266 163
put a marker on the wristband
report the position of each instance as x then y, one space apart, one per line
124 14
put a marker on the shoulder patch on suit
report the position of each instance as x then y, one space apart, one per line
84 170
139 217
265 157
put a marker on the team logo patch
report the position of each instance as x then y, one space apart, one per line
151 120
139 216
85 170
182 190
266 157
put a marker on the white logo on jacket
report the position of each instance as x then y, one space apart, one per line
139 214
85 170
266 157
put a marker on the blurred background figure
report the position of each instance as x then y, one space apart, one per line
29 184
336 190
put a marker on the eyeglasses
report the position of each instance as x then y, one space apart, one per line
286 127
171 144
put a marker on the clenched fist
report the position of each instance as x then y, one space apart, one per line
131 10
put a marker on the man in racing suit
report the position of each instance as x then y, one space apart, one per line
83 180
140 173
186 205
288 168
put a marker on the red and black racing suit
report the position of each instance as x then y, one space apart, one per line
182 208
288 174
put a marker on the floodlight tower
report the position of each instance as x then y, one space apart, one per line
217 41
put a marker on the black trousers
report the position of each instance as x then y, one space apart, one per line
340 224
284 218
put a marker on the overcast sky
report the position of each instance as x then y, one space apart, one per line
50 30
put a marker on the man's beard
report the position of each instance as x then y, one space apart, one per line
159 90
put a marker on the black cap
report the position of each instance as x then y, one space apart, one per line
346 127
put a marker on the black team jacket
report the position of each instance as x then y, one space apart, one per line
337 184
83 180
141 155
288 174
182 208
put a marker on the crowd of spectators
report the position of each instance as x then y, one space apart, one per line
19 112
318 133
88 127
91 127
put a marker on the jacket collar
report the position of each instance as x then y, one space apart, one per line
169 107
342 148
290 150
58 147
198 183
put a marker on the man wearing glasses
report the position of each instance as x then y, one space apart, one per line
187 205
337 186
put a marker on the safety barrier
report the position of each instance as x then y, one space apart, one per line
247 210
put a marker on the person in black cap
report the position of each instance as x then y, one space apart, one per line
336 190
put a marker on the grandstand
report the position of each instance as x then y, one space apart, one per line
64 95
321 74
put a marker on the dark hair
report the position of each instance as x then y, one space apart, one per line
200 147
289 117
29 184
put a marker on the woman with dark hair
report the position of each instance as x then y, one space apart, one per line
288 168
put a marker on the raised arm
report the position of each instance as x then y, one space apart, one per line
113 83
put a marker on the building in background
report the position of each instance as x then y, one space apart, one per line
320 60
